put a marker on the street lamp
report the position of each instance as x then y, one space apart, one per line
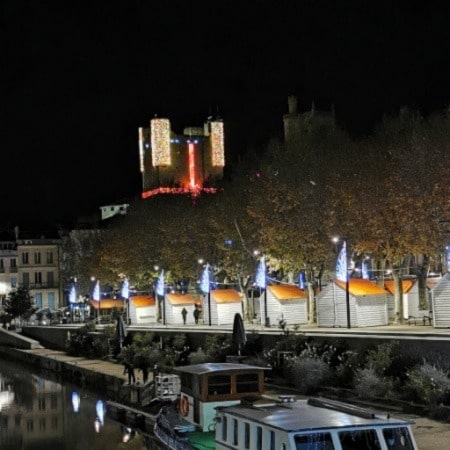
206 288
342 273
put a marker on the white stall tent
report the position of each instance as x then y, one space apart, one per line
174 305
368 304
411 306
284 302
440 301
143 309
224 303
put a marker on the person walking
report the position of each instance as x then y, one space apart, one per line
184 314
196 314
129 370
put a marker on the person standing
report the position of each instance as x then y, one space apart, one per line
129 369
196 314
184 314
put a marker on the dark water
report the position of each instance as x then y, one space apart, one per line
40 412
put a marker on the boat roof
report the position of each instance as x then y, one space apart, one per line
304 415
205 368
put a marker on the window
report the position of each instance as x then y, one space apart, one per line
26 278
37 257
42 424
246 435
54 422
38 277
315 441
247 382
224 428
30 425
272 439
235 432
397 438
219 384
259 438
17 420
51 300
38 299
25 258
14 282
50 279
13 262
49 257
359 440
41 403
1 263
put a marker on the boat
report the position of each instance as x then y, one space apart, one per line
223 406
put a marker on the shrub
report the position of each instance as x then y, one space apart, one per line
307 374
369 384
427 384
199 357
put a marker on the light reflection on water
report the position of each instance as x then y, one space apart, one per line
37 411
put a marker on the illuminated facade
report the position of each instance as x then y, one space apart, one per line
192 162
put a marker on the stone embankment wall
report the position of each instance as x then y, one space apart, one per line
16 340
73 370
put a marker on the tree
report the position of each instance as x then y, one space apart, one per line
20 303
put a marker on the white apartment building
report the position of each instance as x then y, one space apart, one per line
38 268
8 265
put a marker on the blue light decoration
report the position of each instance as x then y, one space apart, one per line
160 284
125 289
100 410
341 263
204 280
72 294
261 280
365 271
301 279
96 293
75 401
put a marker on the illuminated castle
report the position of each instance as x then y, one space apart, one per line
189 163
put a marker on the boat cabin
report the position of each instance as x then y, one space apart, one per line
206 386
309 424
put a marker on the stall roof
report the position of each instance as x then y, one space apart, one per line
360 287
141 301
226 296
181 299
287 292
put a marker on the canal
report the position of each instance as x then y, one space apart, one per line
38 411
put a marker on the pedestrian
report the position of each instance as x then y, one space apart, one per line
196 314
144 370
129 369
184 314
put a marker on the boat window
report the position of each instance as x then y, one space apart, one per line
272 439
235 432
398 438
219 384
224 428
359 440
258 438
247 382
246 435
314 441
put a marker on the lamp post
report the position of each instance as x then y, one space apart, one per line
342 274
96 295
206 288
125 294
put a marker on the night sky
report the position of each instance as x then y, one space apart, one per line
79 78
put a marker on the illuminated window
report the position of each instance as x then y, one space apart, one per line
217 144
160 138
